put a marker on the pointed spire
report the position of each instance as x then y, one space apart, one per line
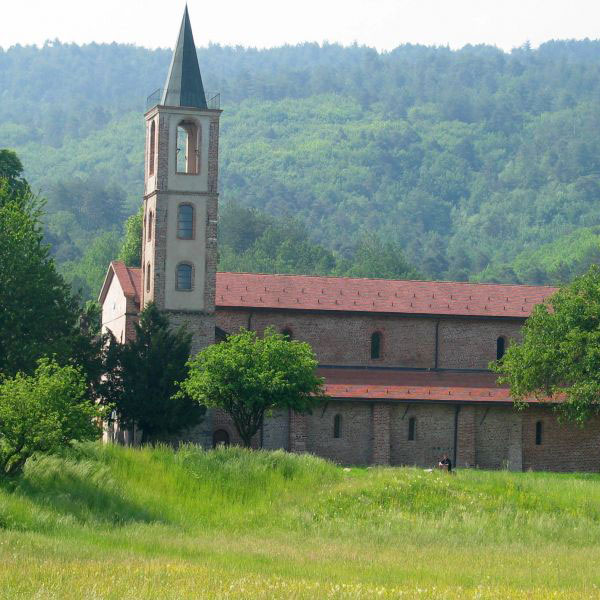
184 83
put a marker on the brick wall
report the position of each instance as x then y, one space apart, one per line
434 434
564 447
354 444
344 338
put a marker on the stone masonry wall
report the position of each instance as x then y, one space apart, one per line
354 444
344 338
564 447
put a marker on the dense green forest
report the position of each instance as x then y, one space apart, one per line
470 164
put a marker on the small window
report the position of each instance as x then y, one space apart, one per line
185 222
376 345
148 277
538 433
150 226
412 426
184 277
288 333
152 146
337 426
500 347
187 148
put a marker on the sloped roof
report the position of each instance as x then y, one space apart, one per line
129 279
183 86
303 292
306 292
413 385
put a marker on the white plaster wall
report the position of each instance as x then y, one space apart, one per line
114 311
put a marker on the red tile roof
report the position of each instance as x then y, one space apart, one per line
308 292
304 292
129 279
413 386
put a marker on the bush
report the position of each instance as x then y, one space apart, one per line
44 412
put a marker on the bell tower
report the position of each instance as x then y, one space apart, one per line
179 246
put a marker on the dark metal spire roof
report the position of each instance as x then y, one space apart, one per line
184 83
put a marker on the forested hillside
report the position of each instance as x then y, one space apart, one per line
478 164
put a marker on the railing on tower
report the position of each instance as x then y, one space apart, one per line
213 99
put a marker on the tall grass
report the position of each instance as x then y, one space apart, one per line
110 519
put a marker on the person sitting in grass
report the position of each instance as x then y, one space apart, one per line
445 463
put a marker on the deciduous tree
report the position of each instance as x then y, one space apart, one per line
248 376
44 412
559 357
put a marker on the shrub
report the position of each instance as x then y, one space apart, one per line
44 412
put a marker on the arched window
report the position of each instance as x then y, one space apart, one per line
185 222
538 433
152 147
188 144
150 226
220 438
148 277
184 277
376 345
500 347
337 426
288 333
412 429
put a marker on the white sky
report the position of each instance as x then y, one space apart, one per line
383 24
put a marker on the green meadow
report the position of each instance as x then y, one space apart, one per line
113 522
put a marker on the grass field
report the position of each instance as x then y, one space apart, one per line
111 522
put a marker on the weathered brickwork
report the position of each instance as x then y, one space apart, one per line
498 437
356 431
345 339
471 343
564 447
465 436
380 425
434 434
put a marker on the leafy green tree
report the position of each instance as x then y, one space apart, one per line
247 376
142 376
131 248
559 357
44 412
15 187
38 315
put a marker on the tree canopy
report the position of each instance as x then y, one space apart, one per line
44 412
559 358
39 316
248 375
468 160
142 376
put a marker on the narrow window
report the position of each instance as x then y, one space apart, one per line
412 424
376 345
184 277
150 226
337 426
152 146
148 277
538 433
288 333
187 148
185 222
500 347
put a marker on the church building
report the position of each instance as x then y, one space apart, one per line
405 362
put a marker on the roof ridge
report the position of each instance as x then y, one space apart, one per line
345 277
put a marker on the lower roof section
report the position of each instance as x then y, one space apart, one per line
409 385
